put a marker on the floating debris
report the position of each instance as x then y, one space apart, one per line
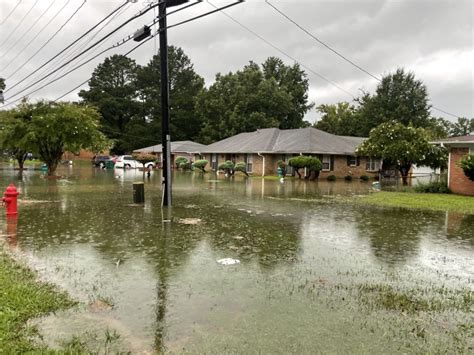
228 261
189 220
190 206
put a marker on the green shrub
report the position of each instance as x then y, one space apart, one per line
227 167
312 164
185 165
439 186
331 178
348 177
180 160
364 178
242 167
201 165
467 165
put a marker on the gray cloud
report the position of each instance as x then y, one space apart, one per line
432 38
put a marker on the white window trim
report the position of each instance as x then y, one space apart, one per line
375 161
329 161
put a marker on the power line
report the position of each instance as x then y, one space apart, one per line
155 34
319 75
34 54
141 13
320 41
105 50
19 23
11 12
71 44
28 30
338 53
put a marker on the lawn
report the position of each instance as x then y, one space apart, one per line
22 297
437 202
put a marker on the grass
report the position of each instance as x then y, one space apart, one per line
22 297
427 201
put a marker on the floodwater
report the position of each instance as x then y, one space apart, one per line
315 275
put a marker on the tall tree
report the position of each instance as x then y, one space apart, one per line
55 128
462 127
296 83
13 134
112 89
241 102
399 97
341 119
403 147
185 85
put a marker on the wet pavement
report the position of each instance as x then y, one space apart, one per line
314 274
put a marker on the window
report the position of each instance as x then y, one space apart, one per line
249 161
214 162
326 162
127 157
351 160
372 164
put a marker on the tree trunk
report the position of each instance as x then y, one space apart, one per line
20 158
404 170
298 172
52 166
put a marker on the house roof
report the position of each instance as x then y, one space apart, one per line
176 147
289 141
457 140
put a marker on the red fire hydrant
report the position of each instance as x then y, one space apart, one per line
10 197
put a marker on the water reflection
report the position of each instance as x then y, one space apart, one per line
168 291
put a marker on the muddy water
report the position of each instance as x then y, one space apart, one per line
314 275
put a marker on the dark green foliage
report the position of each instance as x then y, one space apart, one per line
341 119
403 147
201 165
242 167
348 177
312 164
227 167
438 187
282 165
331 178
462 127
467 165
181 161
364 178
273 95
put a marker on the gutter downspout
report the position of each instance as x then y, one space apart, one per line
263 169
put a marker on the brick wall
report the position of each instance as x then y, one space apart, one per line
458 182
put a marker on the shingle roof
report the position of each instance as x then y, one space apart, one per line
176 147
274 140
468 138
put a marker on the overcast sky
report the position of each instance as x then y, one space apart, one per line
432 38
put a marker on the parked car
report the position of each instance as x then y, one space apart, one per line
127 162
100 160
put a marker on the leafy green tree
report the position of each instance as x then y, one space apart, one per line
462 127
181 161
112 89
438 128
227 167
273 95
14 125
296 83
399 97
185 85
59 127
342 119
403 147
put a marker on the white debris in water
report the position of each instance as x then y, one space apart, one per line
189 220
228 261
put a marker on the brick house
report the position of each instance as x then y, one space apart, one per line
458 147
262 149
188 149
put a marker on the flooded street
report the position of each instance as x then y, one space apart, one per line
314 274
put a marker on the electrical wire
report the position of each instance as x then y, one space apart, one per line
19 23
107 49
152 36
31 41
338 53
319 75
71 44
11 12
34 54
28 30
